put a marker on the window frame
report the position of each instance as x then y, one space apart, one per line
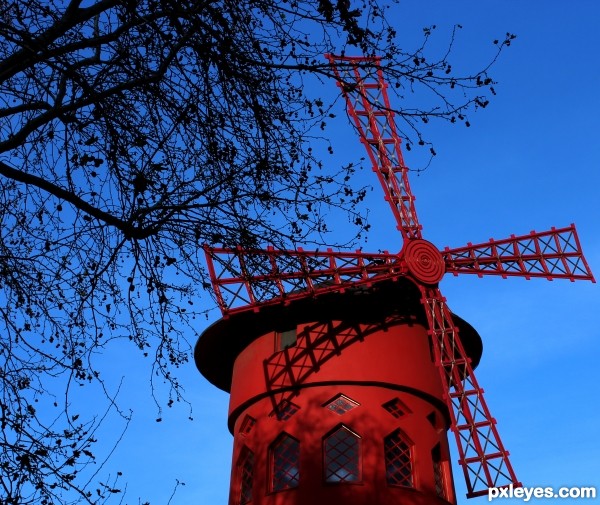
245 464
390 469
396 408
282 437
340 404
439 472
328 473
285 339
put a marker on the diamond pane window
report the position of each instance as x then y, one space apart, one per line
285 463
246 472
342 456
398 460
247 425
285 410
396 407
341 404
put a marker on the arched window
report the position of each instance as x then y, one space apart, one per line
342 456
398 460
438 471
285 463
245 469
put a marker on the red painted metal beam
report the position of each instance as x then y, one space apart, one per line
250 279
483 458
363 86
553 254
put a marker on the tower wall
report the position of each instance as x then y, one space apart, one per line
390 386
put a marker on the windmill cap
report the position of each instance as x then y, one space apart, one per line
386 302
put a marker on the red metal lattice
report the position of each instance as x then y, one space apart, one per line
365 91
285 454
483 457
398 460
554 254
342 456
251 279
254 278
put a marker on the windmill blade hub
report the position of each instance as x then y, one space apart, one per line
424 262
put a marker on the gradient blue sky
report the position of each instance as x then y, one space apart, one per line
530 161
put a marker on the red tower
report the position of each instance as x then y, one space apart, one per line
347 369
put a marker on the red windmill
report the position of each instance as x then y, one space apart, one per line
308 336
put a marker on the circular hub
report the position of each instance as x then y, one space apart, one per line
424 261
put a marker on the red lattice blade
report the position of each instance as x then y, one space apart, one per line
365 90
247 280
554 254
483 458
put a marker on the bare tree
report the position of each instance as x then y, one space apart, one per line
132 132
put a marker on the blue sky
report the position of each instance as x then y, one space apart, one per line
529 161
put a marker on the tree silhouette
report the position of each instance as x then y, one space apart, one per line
134 131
